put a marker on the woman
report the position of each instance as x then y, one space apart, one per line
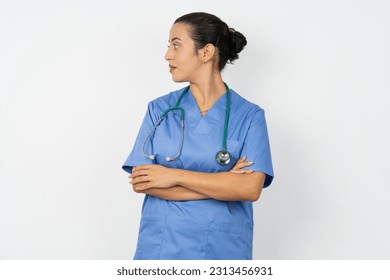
198 202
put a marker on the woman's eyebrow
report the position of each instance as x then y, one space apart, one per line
175 38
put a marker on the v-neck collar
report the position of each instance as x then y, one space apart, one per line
215 112
203 124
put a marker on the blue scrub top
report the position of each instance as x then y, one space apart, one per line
200 229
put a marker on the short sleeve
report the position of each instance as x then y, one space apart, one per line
136 156
257 148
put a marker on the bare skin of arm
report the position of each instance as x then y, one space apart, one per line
182 193
178 184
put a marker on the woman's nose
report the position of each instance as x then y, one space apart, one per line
168 54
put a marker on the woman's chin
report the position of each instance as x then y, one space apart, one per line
177 79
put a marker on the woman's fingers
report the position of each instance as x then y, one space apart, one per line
243 164
237 171
242 171
139 179
240 164
138 173
240 161
139 187
152 176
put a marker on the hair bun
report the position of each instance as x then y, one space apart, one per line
238 42
207 28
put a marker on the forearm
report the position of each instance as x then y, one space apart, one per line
220 186
223 185
173 193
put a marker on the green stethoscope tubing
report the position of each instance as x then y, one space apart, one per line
223 157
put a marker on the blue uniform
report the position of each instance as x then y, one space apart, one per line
200 229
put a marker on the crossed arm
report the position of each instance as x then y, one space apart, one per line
178 184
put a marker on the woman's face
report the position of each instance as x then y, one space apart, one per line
184 63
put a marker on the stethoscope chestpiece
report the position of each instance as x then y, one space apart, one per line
223 157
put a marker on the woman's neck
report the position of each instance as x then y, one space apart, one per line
207 91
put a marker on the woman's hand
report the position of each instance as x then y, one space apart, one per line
148 176
241 163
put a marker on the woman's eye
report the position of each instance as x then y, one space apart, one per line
175 46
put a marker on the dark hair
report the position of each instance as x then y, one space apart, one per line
207 28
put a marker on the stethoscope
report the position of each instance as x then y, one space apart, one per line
223 157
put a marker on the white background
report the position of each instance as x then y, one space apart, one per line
75 79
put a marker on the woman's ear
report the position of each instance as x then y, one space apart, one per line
208 53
